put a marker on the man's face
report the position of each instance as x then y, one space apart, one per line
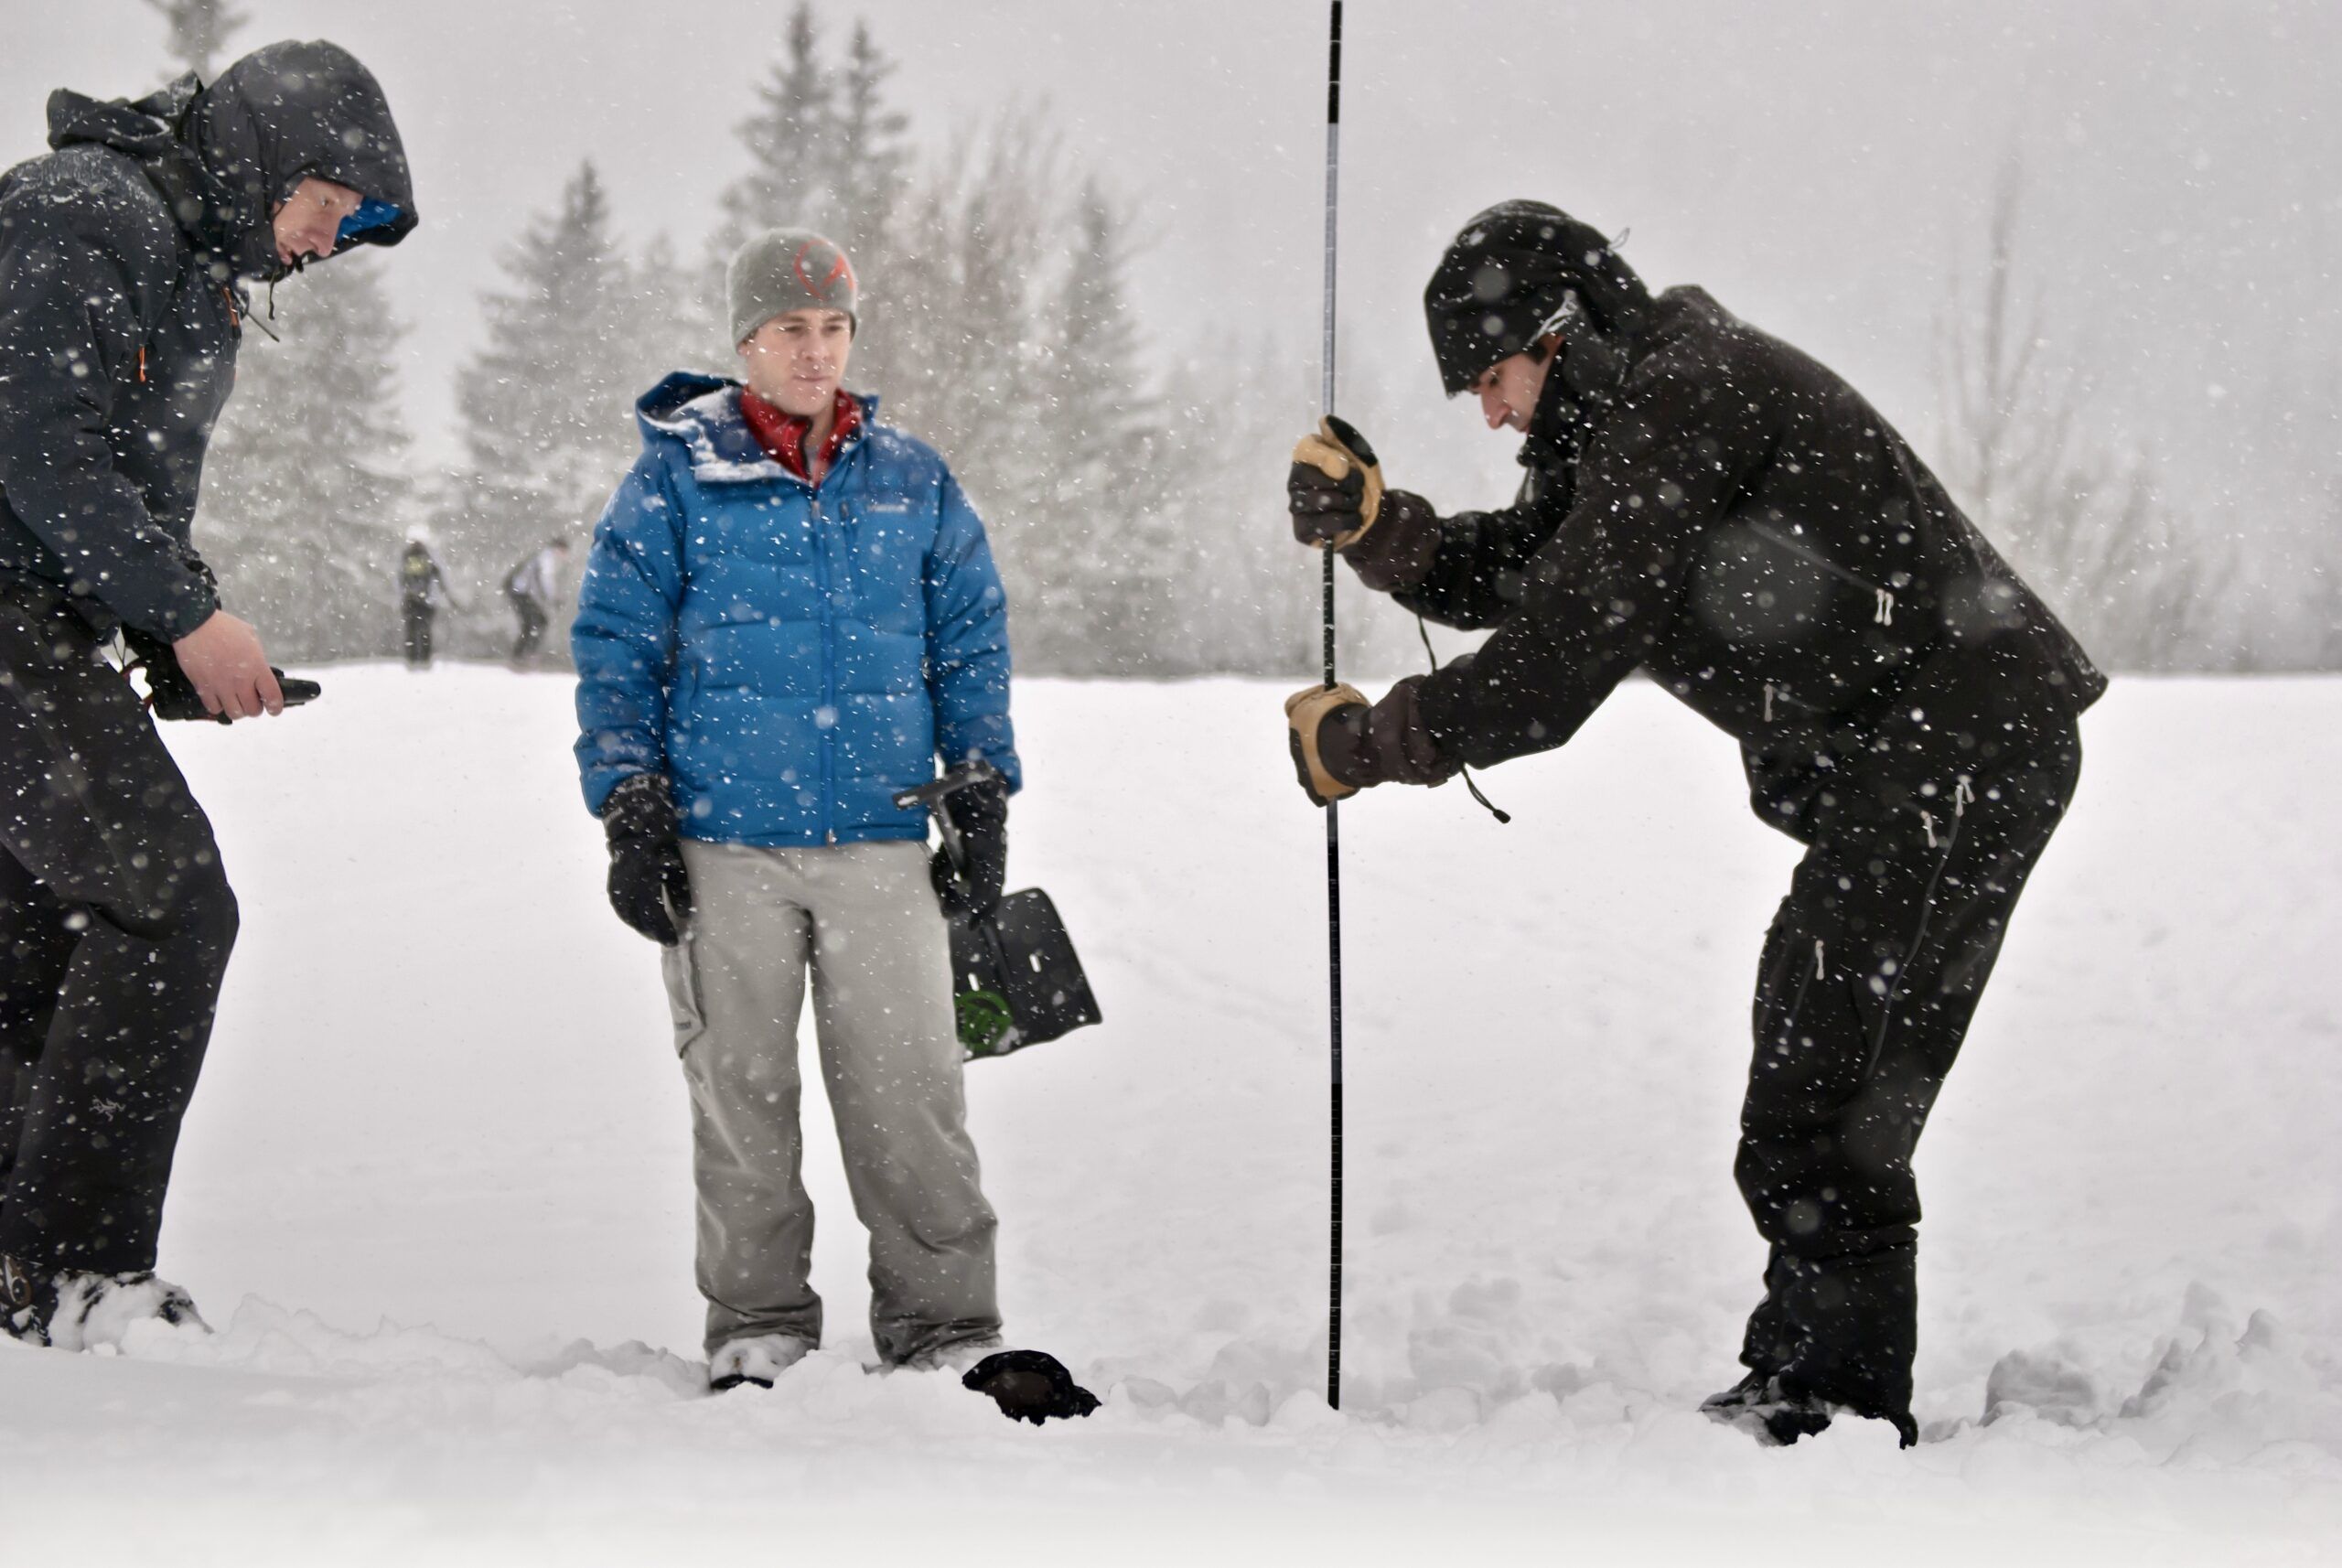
309 220
1510 389
795 361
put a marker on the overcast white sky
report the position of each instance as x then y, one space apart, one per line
1820 166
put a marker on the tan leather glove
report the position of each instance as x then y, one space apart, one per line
1305 715
1335 488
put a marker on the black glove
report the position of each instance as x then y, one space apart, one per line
980 812
648 878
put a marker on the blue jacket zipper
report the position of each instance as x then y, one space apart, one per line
831 576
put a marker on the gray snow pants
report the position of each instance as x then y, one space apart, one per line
864 917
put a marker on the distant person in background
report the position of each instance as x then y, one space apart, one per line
534 588
423 588
120 311
1706 503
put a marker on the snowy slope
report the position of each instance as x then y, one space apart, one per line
434 1188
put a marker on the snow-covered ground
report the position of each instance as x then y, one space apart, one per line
435 1189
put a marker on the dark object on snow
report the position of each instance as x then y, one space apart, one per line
1029 1385
171 696
649 886
1518 271
1015 979
114 958
120 317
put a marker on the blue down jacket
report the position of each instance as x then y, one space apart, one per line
788 655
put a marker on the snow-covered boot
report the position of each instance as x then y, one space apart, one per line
758 1361
1761 1406
1029 1385
91 1309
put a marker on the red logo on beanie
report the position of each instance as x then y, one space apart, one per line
841 270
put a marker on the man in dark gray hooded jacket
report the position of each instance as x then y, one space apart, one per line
123 255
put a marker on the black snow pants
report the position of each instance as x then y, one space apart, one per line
115 924
418 615
1872 970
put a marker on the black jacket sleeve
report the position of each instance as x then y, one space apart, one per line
1659 471
74 307
1477 576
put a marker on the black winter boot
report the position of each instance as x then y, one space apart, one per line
1759 1405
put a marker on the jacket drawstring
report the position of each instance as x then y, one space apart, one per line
1501 815
1820 965
1885 615
236 314
141 364
1768 701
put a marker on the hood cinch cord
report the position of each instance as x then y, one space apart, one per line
241 312
1501 816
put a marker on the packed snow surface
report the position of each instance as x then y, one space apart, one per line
435 1192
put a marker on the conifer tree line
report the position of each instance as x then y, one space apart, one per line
1130 492
1131 529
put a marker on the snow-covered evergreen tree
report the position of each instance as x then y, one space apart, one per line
306 493
197 32
825 152
1104 568
996 324
545 402
2087 523
1247 596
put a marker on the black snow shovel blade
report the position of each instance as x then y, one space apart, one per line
1015 980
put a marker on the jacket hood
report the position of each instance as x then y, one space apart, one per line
147 129
285 112
225 155
703 413
151 131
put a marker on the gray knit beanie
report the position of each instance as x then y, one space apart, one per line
783 270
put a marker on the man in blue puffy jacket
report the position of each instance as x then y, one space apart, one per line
789 614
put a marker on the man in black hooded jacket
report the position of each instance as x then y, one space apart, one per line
1707 504
123 256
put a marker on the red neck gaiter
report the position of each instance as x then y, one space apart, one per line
782 435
